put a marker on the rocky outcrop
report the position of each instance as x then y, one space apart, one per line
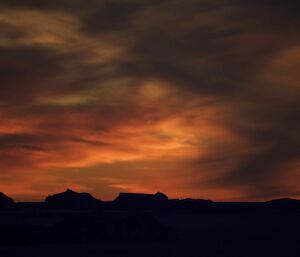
72 200
6 202
141 201
141 198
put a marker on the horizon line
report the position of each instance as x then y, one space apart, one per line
140 193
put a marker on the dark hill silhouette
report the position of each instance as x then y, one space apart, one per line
139 201
139 197
6 202
72 200
284 201
199 226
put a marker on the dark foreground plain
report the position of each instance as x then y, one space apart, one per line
72 224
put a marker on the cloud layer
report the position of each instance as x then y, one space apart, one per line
196 98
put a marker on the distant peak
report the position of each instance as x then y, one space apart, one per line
142 197
5 200
72 199
70 191
161 195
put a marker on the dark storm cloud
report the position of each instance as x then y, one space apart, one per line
55 5
40 142
25 72
282 13
9 32
28 73
23 141
205 55
112 16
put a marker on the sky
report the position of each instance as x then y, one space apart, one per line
195 98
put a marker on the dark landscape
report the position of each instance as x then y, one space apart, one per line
77 224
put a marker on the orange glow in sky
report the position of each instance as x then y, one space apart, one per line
175 96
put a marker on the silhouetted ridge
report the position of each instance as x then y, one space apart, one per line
5 201
161 196
140 197
141 201
72 200
284 202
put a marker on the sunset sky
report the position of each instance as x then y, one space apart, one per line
196 98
